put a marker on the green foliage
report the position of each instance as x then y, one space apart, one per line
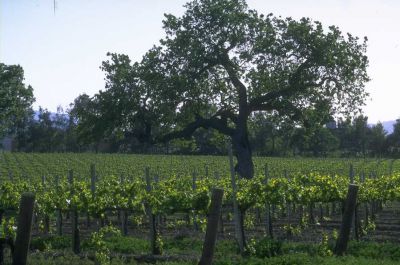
364 253
307 182
267 248
127 245
324 247
97 242
47 132
50 243
290 259
8 228
374 250
15 98
175 190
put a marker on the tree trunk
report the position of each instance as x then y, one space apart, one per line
241 145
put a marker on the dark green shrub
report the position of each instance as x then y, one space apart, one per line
50 242
267 247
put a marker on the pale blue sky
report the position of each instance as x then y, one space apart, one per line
61 52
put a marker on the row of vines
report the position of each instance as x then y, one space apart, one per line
98 186
183 184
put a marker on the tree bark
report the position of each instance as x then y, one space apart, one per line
239 228
241 145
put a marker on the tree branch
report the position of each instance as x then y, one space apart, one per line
241 88
284 107
261 101
227 114
266 99
295 77
268 106
218 124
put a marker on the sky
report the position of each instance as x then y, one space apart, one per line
61 49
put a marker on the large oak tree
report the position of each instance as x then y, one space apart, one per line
224 58
221 62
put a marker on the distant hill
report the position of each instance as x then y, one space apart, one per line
388 125
52 115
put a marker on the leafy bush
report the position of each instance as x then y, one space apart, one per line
267 247
50 242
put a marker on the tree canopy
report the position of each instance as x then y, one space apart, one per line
221 62
15 97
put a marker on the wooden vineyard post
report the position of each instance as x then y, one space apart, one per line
160 219
371 204
221 219
321 212
46 216
288 210
212 227
327 210
347 220
76 248
355 219
10 176
93 179
366 208
268 217
24 229
311 217
155 247
194 187
59 221
237 215
374 203
351 174
391 167
333 203
124 212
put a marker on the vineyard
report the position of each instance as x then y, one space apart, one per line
85 198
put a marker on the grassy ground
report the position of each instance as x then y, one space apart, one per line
55 250
288 259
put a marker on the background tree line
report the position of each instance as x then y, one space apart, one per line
44 131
